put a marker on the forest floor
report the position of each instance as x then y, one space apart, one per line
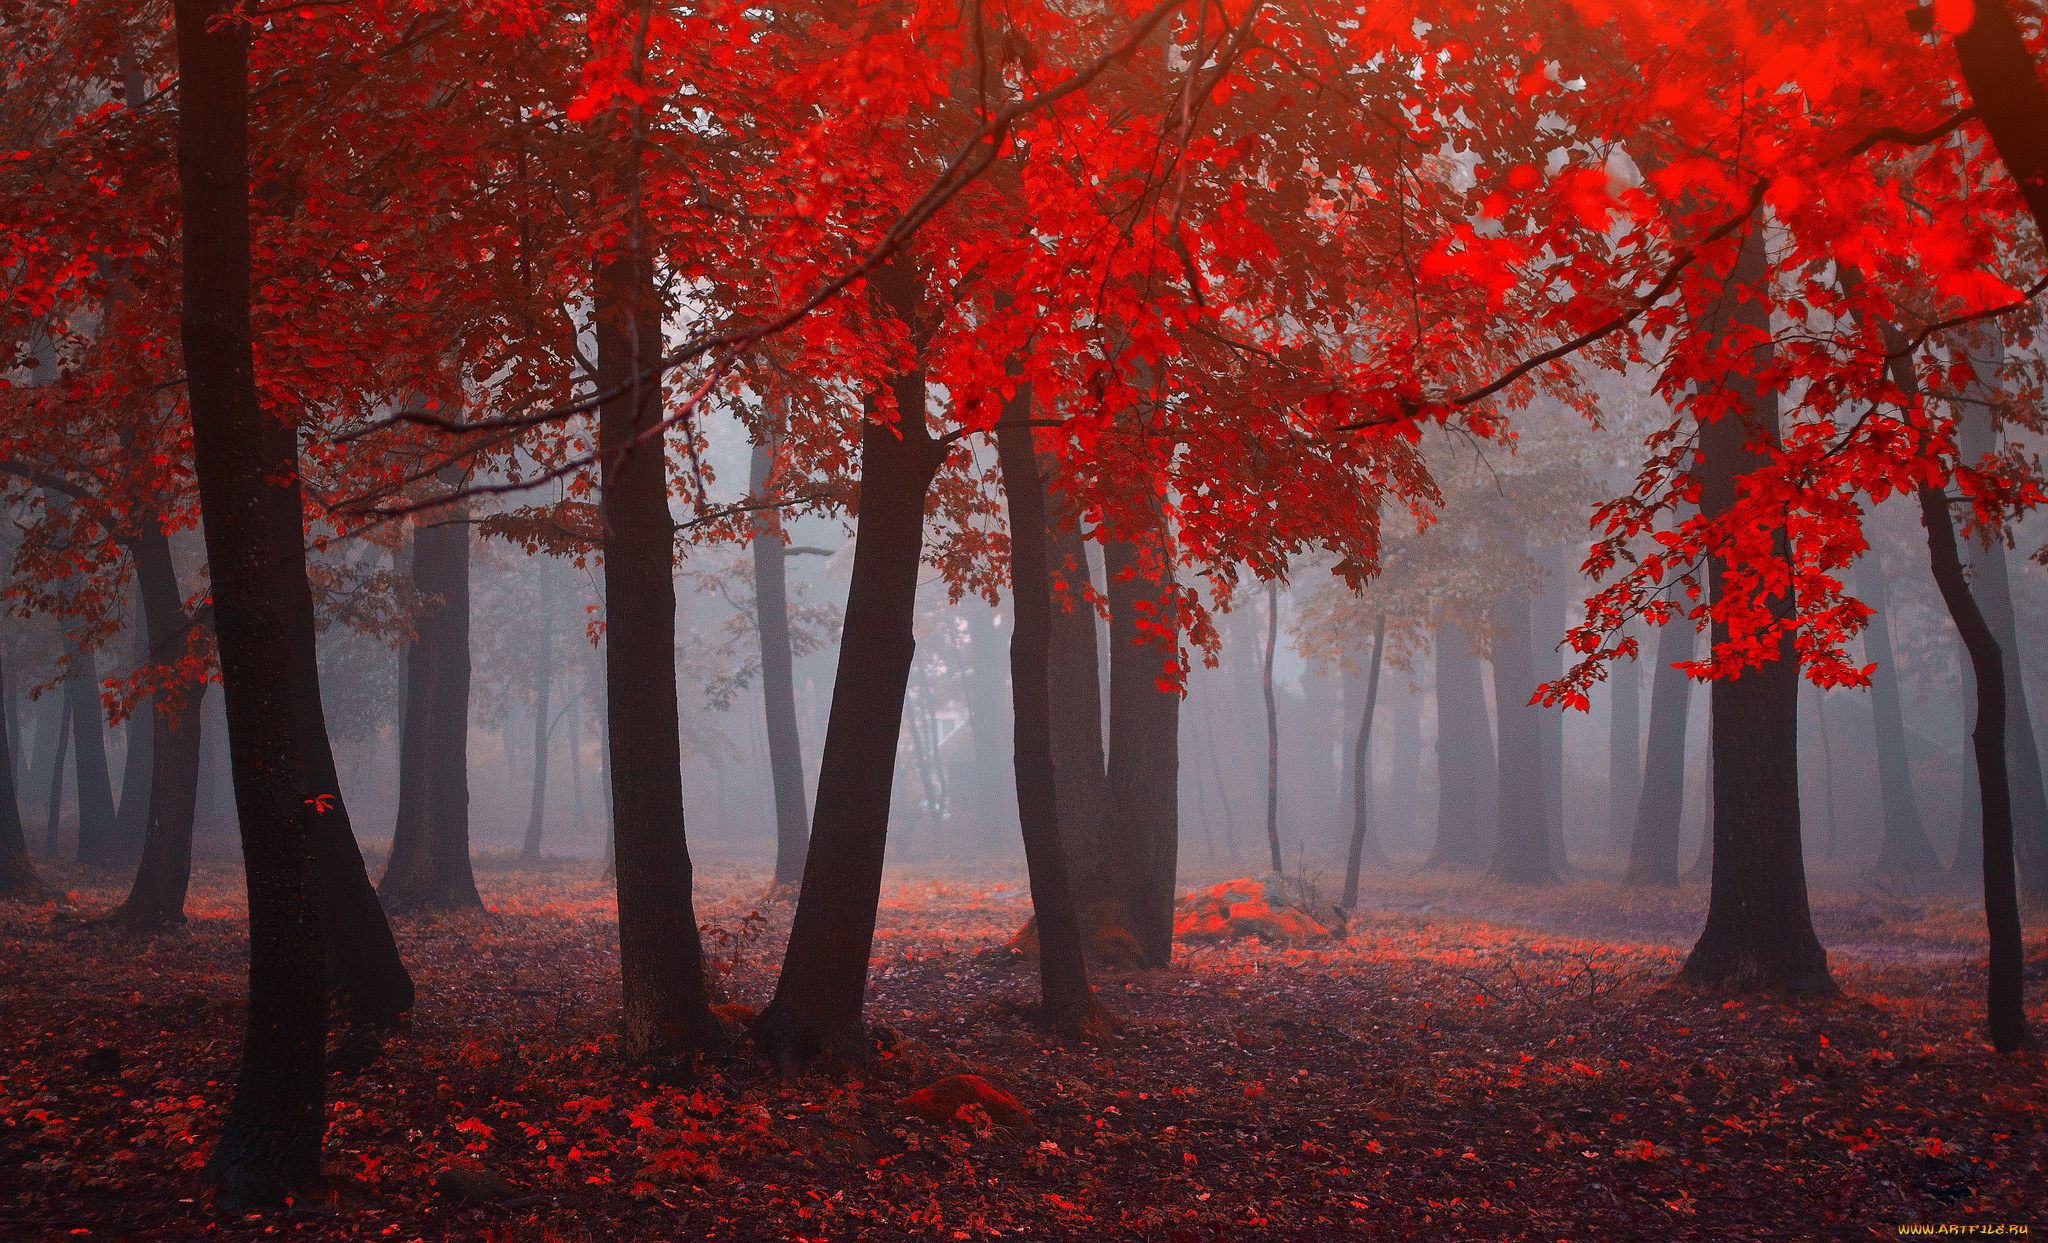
1471 1061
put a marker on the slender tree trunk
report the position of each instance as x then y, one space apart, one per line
96 844
661 958
131 807
1906 848
1062 969
1547 616
51 822
17 870
2006 1013
429 868
543 682
1080 765
1361 775
1144 733
1464 751
1759 930
1272 730
1969 855
2006 88
165 873
778 676
1521 852
816 1010
269 1148
1624 753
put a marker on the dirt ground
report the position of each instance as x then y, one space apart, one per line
1470 1061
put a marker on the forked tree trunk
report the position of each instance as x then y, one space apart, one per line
1361 776
1624 752
1144 734
1653 846
816 1010
2005 1008
429 868
1464 751
96 844
1272 730
1062 968
543 682
18 877
661 958
1906 848
1759 930
269 1148
778 675
1521 852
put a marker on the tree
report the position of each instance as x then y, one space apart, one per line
1905 847
1624 753
1521 851
543 679
1653 845
1361 773
1464 751
1144 731
17 869
778 679
1272 730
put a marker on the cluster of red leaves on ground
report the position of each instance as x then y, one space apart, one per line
1432 1073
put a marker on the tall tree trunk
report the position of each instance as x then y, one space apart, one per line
1547 614
96 844
165 873
2005 1008
2006 88
1272 730
1653 846
1759 930
17 870
543 682
778 674
1144 732
1624 752
1361 775
661 958
987 721
1062 970
52 821
131 807
429 868
1969 856
816 1010
1521 852
1464 751
1905 848
269 1148
1074 689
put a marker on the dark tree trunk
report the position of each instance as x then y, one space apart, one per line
543 682
2006 1013
1905 848
1521 852
1624 752
96 844
1547 613
1062 969
1969 856
429 868
1464 752
816 1010
131 807
1759 931
2006 88
269 1148
1080 765
52 820
778 676
661 957
1653 847
1361 776
1144 734
165 872
1272 730
17 870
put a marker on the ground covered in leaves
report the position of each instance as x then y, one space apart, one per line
1457 1066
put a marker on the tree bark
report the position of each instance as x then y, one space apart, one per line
661 958
1653 846
1624 752
1080 764
1759 930
1521 852
778 675
131 808
1065 994
269 1148
18 877
1144 733
1272 730
990 725
1361 775
429 868
816 1010
1464 751
96 844
51 821
2006 88
1547 614
543 682
1906 848
2005 1003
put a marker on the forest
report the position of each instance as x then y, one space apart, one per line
1185 620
